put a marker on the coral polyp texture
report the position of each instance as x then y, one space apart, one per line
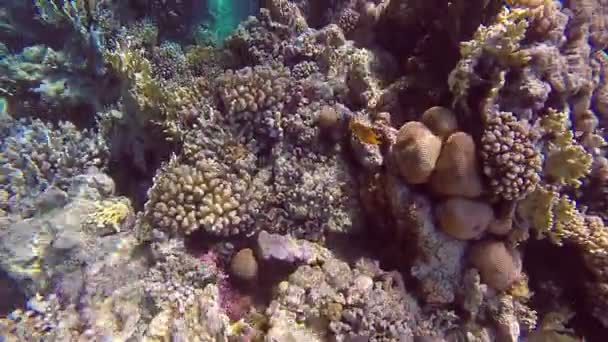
205 196
510 160
298 170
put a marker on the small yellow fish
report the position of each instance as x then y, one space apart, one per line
363 131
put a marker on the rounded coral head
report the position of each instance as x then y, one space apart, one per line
498 266
457 170
464 219
416 151
440 120
244 265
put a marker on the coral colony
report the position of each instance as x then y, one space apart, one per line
304 170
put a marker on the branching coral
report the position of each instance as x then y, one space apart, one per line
169 62
35 155
288 13
556 216
510 160
500 42
136 70
601 92
253 89
362 77
566 161
254 99
83 16
206 196
258 40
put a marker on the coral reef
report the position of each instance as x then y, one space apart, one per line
35 156
171 170
359 302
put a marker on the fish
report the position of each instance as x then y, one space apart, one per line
363 132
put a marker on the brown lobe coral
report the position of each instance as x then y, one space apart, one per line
457 169
497 265
416 152
243 265
464 219
440 120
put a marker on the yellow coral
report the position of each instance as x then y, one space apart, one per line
567 162
137 71
510 29
109 215
537 208
552 215
556 216
500 40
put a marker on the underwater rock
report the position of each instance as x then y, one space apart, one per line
53 245
92 185
275 247
51 198
439 263
352 302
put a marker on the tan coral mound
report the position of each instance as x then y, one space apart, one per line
464 219
497 265
440 120
243 265
416 152
457 169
